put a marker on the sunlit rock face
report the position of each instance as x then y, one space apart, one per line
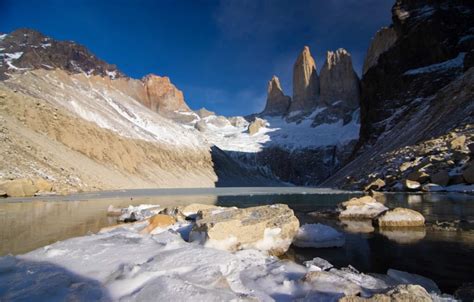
161 95
277 102
338 80
305 82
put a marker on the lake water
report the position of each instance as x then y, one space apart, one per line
445 256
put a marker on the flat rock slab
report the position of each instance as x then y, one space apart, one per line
361 208
268 228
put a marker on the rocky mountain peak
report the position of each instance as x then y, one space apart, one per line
27 49
305 82
382 41
277 101
338 80
162 96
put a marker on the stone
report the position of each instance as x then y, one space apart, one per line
375 185
401 293
277 102
305 82
318 236
441 178
458 143
21 187
158 221
268 228
361 208
322 281
338 80
382 41
182 213
468 173
471 147
400 217
203 112
419 176
411 185
255 126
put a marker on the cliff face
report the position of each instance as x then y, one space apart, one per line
417 98
433 38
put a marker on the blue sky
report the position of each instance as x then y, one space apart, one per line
221 53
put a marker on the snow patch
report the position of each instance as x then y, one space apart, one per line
449 64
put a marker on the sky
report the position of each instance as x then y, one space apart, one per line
220 53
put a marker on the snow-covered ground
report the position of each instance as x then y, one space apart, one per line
122 264
279 132
449 64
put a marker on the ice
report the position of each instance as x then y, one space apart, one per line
449 64
407 278
318 263
318 236
2 36
139 213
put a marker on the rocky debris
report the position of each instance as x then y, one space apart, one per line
411 185
471 148
203 112
255 126
401 293
25 187
268 228
458 143
277 102
318 236
361 208
400 217
158 221
201 126
418 176
305 82
441 178
382 41
161 95
338 80
468 173
375 185
26 49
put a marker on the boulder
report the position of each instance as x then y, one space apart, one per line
21 187
401 293
419 176
458 143
318 264
277 102
441 178
255 126
158 221
411 185
468 173
361 208
268 228
456 179
305 82
201 126
318 236
203 112
400 217
375 185
338 80
219 121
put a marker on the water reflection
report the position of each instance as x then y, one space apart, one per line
404 235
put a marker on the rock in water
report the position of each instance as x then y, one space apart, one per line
361 208
411 185
383 40
401 217
305 82
277 101
318 236
338 80
267 228
22 187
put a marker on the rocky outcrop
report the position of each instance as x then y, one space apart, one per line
26 49
268 228
203 112
305 82
277 102
255 126
162 96
338 80
24 187
382 41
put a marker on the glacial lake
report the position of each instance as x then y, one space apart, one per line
446 256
